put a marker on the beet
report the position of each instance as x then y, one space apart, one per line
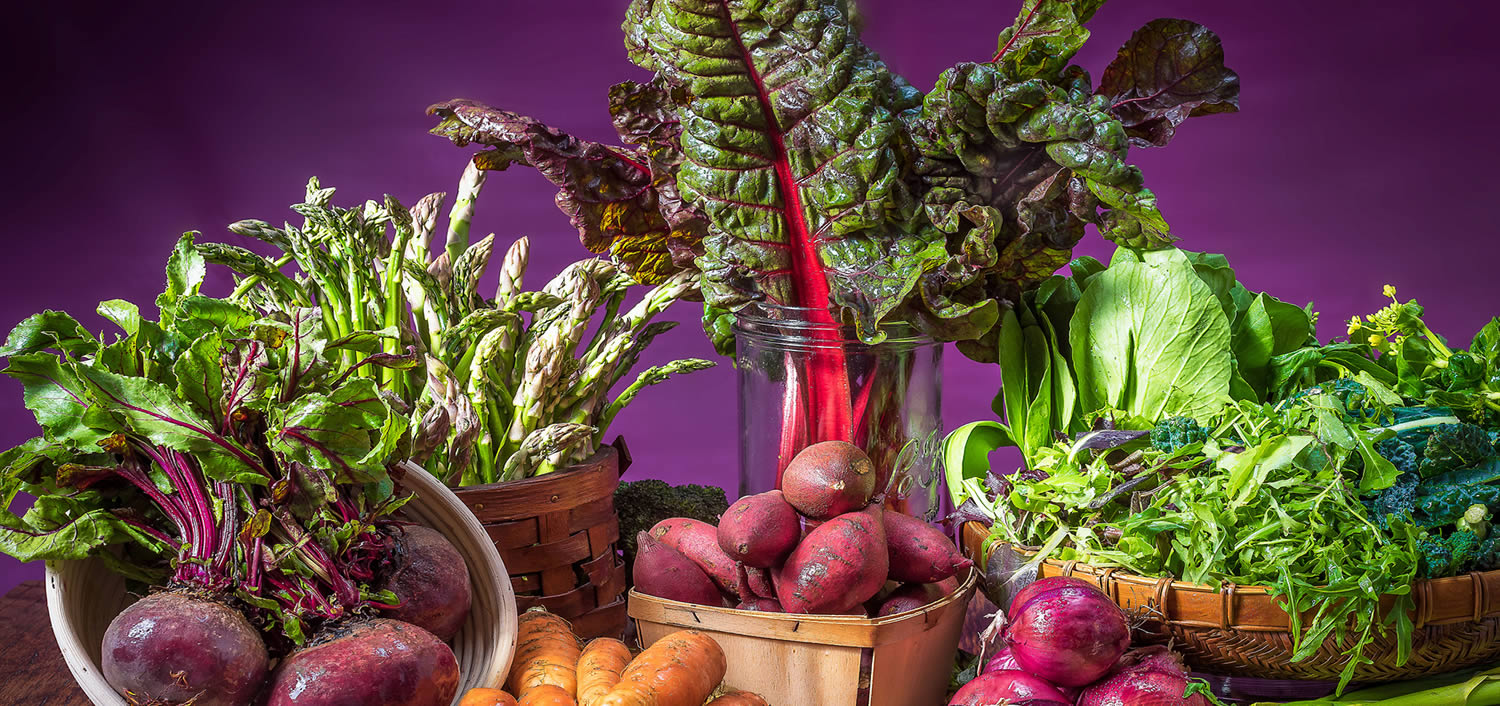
920 553
828 479
430 579
173 646
759 530
378 662
664 572
764 605
1007 686
840 565
1066 631
699 541
1149 676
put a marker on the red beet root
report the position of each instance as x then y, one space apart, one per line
431 580
840 565
1149 676
759 530
371 663
172 647
699 541
1007 686
664 572
828 479
1066 632
920 553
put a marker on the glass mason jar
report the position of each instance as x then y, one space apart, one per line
802 381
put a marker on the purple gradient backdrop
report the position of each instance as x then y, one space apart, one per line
1363 155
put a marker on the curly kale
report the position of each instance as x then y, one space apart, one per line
643 503
1448 556
1399 453
1174 433
1455 446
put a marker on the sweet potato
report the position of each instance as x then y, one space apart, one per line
173 647
759 530
739 698
919 552
546 653
485 696
909 596
699 541
764 605
430 578
664 572
829 479
758 582
548 695
840 565
599 669
378 662
680 669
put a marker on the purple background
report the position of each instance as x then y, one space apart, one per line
1364 154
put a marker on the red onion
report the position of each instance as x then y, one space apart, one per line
1010 685
1066 631
1149 676
1001 660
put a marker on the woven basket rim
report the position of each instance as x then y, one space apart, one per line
615 448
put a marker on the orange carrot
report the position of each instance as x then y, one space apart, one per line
546 654
599 669
739 698
485 696
548 695
680 669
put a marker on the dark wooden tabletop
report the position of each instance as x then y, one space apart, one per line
31 668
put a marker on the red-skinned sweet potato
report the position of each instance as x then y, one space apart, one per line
377 662
664 572
173 647
431 580
699 541
759 530
758 581
919 552
765 605
840 565
829 479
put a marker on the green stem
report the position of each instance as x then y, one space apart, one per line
250 282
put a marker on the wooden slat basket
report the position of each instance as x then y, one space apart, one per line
557 534
1242 631
824 660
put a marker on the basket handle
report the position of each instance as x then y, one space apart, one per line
624 453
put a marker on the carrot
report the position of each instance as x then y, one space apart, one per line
739 698
599 669
485 696
548 695
680 669
546 654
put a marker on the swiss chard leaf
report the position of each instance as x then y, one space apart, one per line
1044 37
1169 70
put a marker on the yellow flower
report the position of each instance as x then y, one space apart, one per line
1389 290
1354 325
1376 340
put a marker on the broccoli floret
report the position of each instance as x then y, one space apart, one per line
643 503
1399 499
1174 433
1399 453
1455 446
1448 556
1488 558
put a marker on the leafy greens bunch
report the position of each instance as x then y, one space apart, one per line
774 155
513 385
219 448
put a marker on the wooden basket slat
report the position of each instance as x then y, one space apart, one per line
514 533
603 620
592 514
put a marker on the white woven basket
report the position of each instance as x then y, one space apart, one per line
84 596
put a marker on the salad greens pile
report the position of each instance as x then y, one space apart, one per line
224 448
513 385
1160 437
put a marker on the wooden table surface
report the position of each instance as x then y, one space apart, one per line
31 668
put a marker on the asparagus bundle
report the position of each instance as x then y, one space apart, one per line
511 386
